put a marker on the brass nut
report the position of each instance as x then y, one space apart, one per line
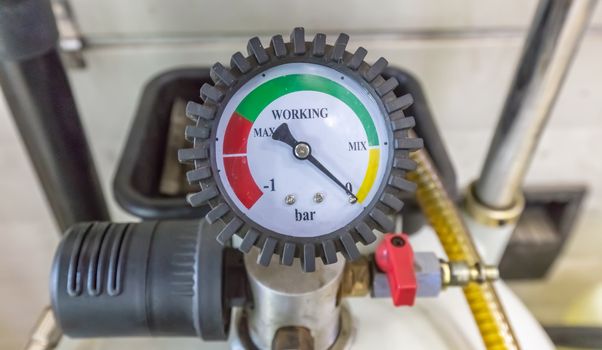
356 278
492 217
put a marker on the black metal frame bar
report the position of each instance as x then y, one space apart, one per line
37 90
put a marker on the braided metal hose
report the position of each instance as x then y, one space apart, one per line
456 241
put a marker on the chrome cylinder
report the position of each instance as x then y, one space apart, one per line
286 297
46 334
550 47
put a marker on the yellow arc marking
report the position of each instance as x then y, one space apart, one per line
373 157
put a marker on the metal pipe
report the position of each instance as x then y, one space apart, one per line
555 33
27 29
46 335
285 297
37 91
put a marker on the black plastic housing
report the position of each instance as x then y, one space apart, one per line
141 279
136 183
542 231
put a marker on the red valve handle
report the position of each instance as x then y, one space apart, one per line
395 257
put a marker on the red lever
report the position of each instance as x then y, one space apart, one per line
395 257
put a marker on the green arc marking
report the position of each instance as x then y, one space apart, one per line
258 99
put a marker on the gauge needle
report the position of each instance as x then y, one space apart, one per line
302 150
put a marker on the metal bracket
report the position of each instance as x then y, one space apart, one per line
71 41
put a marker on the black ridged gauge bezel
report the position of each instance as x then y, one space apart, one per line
228 81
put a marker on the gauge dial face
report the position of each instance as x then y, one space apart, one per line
302 149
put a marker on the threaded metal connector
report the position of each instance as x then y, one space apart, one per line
460 273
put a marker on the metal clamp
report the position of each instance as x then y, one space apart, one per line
489 216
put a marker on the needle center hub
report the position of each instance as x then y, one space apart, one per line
302 150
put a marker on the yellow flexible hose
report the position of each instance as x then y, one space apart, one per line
447 222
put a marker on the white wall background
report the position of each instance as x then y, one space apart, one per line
464 52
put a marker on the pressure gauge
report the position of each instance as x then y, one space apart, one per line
301 149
